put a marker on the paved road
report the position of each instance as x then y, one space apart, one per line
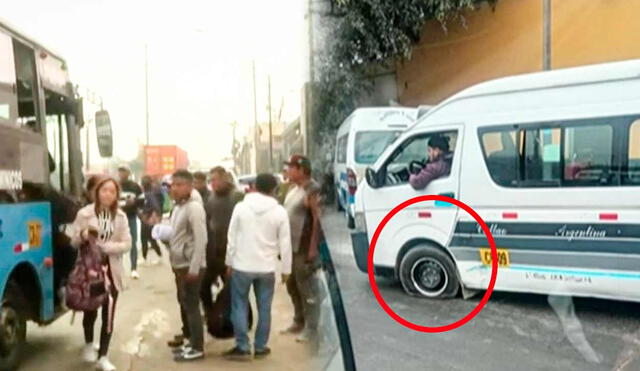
514 331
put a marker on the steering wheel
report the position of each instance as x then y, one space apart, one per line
392 178
416 166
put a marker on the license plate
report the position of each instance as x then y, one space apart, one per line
503 257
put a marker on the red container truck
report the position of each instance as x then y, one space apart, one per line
164 160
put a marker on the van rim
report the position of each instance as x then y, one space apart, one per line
428 273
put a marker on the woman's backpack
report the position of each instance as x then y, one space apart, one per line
86 286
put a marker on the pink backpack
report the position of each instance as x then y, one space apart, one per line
86 286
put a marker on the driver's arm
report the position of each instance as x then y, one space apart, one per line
430 172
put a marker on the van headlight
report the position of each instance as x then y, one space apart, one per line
361 222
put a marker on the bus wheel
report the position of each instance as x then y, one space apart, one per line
13 328
429 272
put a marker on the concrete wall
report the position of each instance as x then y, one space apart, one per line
509 40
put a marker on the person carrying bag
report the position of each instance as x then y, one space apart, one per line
101 233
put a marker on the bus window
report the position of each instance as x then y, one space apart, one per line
8 99
58 145
588 152
632 173
26 85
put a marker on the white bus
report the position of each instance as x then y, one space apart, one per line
551 162
360 140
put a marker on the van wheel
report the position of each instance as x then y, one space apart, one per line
338 204
429 272
13 328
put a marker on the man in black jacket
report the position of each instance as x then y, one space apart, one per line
219 208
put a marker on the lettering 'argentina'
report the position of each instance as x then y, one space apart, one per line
589 232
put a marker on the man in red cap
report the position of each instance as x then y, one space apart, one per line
303 206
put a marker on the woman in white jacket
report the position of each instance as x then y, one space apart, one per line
104 217
258 234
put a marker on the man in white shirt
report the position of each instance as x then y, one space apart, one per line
258 233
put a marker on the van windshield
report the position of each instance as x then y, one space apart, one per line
370 144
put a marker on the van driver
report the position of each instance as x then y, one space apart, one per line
439 163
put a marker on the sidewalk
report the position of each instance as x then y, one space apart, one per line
146 317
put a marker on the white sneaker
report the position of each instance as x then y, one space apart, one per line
135 275
104 364
89 353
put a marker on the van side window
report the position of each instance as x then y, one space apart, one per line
574 153
341 154
412 156
541 156
502 156
588 154
631 175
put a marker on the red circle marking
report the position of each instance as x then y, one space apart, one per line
494 265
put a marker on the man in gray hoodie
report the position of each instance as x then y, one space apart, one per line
187 253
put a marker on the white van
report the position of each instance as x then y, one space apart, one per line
551 162
361 138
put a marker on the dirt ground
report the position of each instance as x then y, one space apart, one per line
146 317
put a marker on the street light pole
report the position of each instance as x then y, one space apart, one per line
146 91
256 134
270 129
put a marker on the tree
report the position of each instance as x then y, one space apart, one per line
367 35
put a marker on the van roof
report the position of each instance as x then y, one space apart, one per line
613 71
355 119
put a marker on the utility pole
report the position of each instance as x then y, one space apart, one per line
234 147
256 134
87 161
146 91
270 128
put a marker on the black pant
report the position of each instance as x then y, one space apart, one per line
189 296
89 320
145 237
183 315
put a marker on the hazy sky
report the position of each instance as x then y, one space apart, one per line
200 57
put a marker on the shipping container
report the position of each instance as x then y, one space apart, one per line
161 160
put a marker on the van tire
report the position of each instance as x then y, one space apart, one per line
427 271
338 204
13 327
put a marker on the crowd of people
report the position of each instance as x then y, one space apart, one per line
215 235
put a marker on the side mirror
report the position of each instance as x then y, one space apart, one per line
371 177
104 133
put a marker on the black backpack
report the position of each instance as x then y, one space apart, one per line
219 318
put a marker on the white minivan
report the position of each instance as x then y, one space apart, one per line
550 161
361 138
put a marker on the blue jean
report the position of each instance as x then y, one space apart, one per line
263 286
133 253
